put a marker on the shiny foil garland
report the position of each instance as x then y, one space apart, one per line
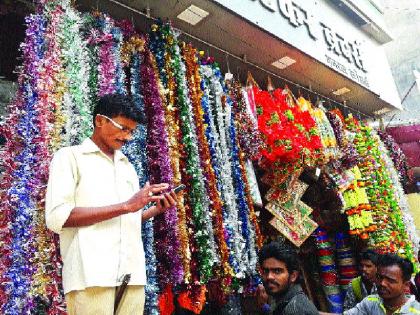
217 132
196 94
29 266
214 149
176 153
136 151
76 103
238 171
240 113
197 195
166 234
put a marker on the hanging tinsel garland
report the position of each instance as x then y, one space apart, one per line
76 105
132 56
247 229
166 241
197 195
398 157
214 148
216 135
241 117
196 94
177 155
30 268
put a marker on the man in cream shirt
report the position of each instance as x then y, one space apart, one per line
94 203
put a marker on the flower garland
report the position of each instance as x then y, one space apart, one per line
357 207
410 237
391 234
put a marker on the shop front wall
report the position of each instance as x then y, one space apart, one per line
321 31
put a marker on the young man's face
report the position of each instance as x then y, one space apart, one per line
114 131
390 282
276 277
368 269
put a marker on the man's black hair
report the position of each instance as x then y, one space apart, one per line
281 253
369 254
393 260
113 105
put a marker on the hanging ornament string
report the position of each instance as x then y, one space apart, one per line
240 114
409 234
17 250
46 281
391 236
214 149
398 157
176 154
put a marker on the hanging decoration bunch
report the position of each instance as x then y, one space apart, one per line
200 131
391 234
357 207
216 138
398 158
410 227
238 212
290 134
49 111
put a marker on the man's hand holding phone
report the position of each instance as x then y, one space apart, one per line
166 201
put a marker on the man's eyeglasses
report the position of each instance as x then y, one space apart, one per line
118 126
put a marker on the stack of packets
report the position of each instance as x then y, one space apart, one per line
291 215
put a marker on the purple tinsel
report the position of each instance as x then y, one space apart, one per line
167 242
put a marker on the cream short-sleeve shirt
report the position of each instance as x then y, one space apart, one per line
102 253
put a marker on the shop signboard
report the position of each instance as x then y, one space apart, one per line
320 30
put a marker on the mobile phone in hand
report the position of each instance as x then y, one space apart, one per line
178 188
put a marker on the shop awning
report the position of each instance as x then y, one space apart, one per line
408 138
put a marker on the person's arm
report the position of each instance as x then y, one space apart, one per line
362 308
84 216
60 207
